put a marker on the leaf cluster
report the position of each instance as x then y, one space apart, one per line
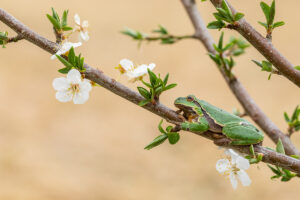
59 25
3 38
173 137
136 35
265 66
156 87
269 12
293 121
165 38
225 53
223 16
72 61
284 174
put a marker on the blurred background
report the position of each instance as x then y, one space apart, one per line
53 150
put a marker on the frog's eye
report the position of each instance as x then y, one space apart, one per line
189 99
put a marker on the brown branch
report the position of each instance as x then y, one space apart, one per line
132 96
14 39
249 105
265 47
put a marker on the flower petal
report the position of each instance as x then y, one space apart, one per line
85 85
84 35
222 166
233 180
77 19
244 178
151 66
64 96
61 84
74 76
81 97
85 24
66 46
242 163
127 65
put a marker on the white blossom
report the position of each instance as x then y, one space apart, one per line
125 66
72 87
65 47
234 167
81 28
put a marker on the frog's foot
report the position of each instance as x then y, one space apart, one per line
223 141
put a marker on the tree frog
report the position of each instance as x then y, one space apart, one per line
201 117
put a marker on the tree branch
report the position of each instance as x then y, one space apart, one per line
249 105
132 96
265 47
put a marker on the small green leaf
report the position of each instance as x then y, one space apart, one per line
64 61
266 9
55 15
166 79
67 28
296 113
297 67
266 66
160 127
238 52
220 44
277 24
64 20
173 137
272 13
143 102
64 70
157 141
144 93
279 147
54 22
162 30
168 87
130 32
216 25
152 78
278 173
286 117
167 41
227 9
263 24
295 156
215 58
238 16
71 56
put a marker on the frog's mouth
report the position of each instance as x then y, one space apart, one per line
188 112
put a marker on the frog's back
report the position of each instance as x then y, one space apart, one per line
220 116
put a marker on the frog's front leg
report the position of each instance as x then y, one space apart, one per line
199 126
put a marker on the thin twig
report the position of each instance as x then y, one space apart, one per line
132 96
176 38
14 39
265 47
249 105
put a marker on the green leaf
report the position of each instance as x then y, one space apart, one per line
295 156
64 61
266 9
130 32
152 78
64 20
173 137
269 77
166 79
144 93
285 179
279 147
157 141
224 15
277 24
238 16
64 70
168 87
160 127
215 58
67 28
217 49
286 117
263 24
257 63
227 9
297 67
143 102
266 66
216 25
55 15
54 22
220 44
272 13
162 30
167 41
146 84
71 57
238 52
296 113
277 172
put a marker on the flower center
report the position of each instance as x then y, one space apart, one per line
75 88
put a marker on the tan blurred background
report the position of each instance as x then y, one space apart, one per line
53 150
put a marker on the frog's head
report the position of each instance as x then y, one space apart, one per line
187 105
